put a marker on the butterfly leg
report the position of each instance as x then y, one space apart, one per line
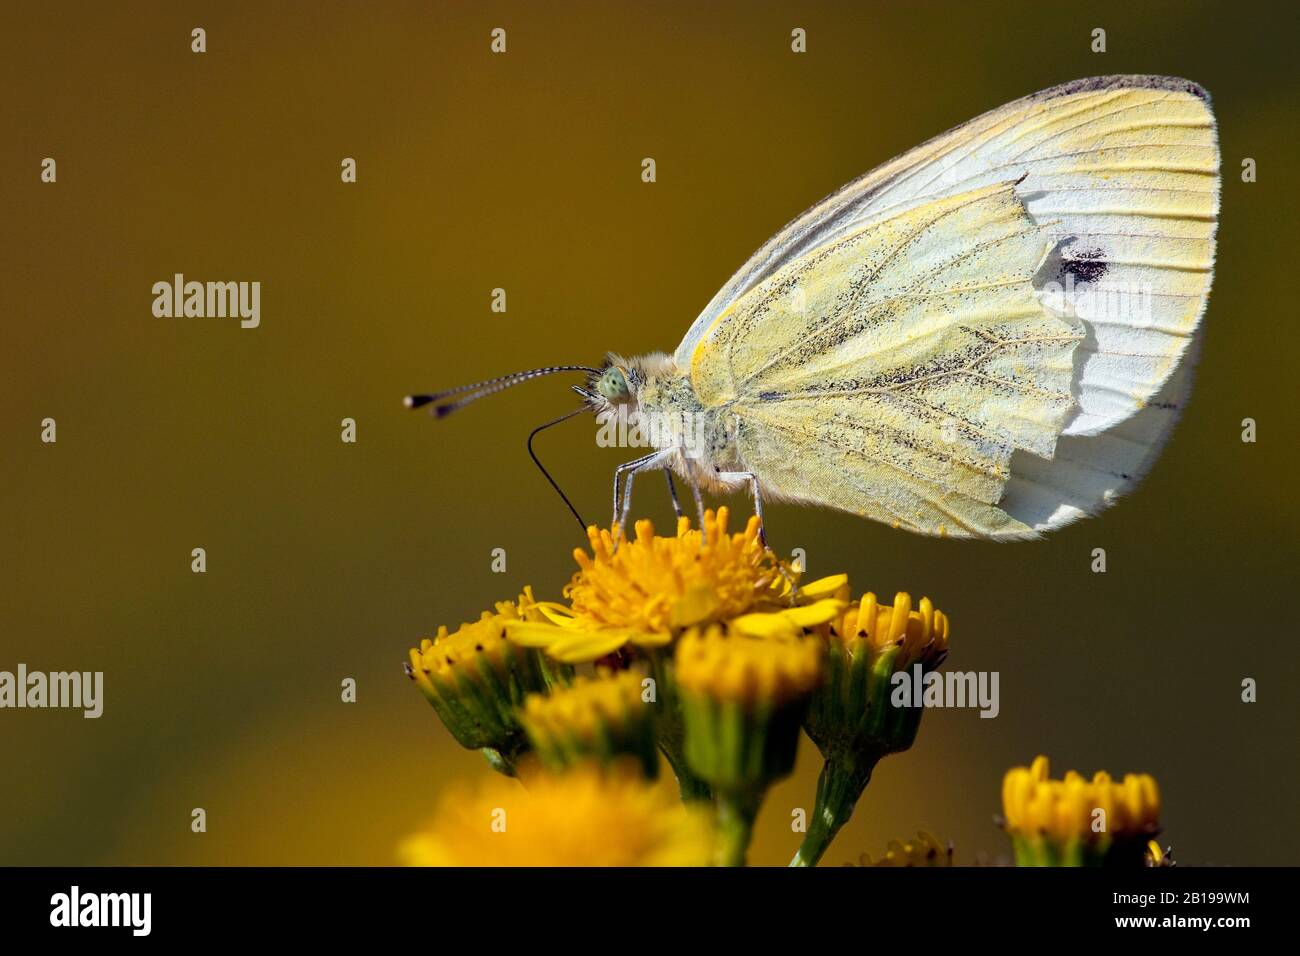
618 479
626 473
672 492
752 478
699 506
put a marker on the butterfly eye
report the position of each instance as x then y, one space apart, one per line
613 385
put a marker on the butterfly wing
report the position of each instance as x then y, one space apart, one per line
940 364
1121 175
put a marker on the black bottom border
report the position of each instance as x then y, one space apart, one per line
505 907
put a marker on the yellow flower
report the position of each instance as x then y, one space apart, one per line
852 717
655 585
868 627
924 850
475 678
649 589
472 644
742 701
1078 822
752 672
600 717
581 818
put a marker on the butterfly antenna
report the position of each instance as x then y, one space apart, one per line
536 461
488 387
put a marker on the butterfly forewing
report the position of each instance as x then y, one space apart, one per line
1115 179
914 348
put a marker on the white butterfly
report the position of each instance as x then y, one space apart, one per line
989 336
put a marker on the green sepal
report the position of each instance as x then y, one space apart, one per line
669 726
738 747
478 703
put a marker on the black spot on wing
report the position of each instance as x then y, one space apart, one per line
1084 265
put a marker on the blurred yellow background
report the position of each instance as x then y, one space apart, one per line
327 560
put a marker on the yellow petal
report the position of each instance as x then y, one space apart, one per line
811 615
534 633
833 586
698 604
556 613
649 639
580 646
765 625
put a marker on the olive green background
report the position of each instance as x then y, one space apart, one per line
327 560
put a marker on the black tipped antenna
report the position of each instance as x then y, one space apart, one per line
536 461
488 387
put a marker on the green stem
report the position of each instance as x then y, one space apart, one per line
842 780
691 787
736 815
671 732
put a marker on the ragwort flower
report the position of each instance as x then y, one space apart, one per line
1079 822
584 817
476 679
743 700
598 718
852 717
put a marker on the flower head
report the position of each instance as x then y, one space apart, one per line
473 644
742 701
585 817
915 634
852 717
475 678
645 591
752 673
1079 822
655 585
600 717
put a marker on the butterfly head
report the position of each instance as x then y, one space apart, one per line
615 385
627 383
